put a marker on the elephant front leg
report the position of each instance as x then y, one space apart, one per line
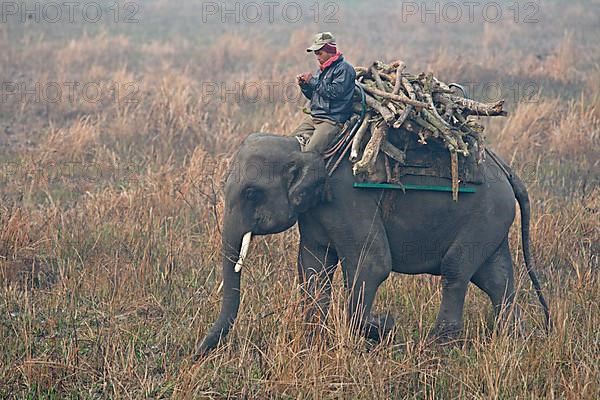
316 267
362 283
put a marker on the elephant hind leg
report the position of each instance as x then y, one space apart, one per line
495 277
449 321
459 264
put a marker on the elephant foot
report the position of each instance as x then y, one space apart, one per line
197 357
516 329
510 323
444 334
379 327
199 354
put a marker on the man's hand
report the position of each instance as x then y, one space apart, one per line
303 78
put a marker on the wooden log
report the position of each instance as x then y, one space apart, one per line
464 147
485 113
388 170
392 108
452 137
426 125
369 158
387 115
388 68
423 136
398 83
377 78
409 108
359 136
361 71
449 106
454 171
393 152
474 131
429 99
472 107
451 142
383 67
387 77
410 90
418 88
397 97
398 123
441 85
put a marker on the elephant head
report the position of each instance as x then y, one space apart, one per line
270 184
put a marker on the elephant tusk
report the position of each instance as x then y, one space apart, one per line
243 251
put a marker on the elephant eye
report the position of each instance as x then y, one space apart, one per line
252 194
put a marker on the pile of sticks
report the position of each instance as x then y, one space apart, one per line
420 104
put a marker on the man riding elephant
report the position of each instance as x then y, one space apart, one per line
330 93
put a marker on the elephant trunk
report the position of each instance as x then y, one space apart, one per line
235 247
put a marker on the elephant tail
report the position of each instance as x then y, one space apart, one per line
522 197
523 200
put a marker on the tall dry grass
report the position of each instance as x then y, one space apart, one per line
110 213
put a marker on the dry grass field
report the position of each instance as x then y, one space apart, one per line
115 136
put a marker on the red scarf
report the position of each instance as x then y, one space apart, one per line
331 60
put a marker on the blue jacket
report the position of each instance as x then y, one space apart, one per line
330 91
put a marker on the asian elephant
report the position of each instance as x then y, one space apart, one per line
273 185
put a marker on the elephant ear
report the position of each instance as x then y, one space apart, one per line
307 180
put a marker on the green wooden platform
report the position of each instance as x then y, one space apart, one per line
409 186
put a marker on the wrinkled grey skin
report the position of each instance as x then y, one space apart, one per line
274 185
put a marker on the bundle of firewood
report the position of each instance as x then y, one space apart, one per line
420 104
